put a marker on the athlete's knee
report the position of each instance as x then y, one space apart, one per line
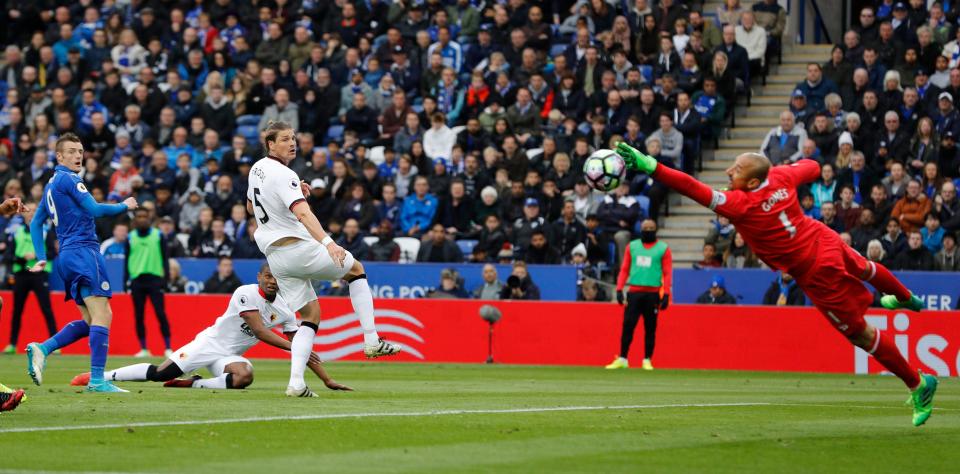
863 339
356 271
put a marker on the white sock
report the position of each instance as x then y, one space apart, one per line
216 382
362 299
300 348
130 373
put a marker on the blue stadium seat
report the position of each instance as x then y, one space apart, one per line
334 133
644 202
248 120
466 246
647 73
249 132
612 255
557 48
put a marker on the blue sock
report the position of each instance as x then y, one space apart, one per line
70 333
99 345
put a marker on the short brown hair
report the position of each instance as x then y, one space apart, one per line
66 137
273 129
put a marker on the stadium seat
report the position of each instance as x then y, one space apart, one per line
409 248
184 240
248 120
647 73
644 202
334 133
533 152
249 132
370 239
558 48
466 246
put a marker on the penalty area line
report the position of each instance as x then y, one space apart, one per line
334 416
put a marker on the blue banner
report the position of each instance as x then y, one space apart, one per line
387 280
939 290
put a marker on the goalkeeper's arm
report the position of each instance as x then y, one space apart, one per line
674 179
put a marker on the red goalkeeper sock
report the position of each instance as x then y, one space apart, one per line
886 283
886 352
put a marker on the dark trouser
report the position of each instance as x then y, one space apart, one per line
648 305
24 282
152 287
658 194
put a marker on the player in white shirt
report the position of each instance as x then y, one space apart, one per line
252 314
299 251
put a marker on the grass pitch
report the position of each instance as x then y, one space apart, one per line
475 418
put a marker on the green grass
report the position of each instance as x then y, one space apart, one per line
813 423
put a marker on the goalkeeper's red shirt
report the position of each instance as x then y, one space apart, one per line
769 218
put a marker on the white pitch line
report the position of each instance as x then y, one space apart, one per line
331 416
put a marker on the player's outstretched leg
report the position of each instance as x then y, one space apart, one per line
362 299
922 386
238 375
37 353
895 294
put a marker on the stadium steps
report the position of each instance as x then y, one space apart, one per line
689 222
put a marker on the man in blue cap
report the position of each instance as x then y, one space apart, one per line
717 293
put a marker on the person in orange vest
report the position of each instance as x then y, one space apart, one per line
646 274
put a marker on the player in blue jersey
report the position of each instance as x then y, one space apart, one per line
72 209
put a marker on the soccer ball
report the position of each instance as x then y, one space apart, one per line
604 170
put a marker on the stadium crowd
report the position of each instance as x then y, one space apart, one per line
437 120
468 121
879 117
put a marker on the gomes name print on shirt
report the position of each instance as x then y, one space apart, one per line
774 198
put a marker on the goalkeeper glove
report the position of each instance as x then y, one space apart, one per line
636 160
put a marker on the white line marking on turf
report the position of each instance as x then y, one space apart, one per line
330 416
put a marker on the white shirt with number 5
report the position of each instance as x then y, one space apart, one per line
273 190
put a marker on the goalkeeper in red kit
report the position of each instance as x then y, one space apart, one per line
762 205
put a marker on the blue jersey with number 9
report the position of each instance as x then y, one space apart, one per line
63 202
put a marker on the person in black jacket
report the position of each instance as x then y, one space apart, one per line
915 257
688 122
438 248
539 251
567 232
784 291
224 280
519 285
457 212
245 246
20 255
716 294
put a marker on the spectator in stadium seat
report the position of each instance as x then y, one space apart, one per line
224 280
450 286
524 226
802 112
739 255
866 229
838 69
352 239
245 246
828 215
711 106
948 258
519 285
591 291
539 251
439 140
911 209
720 234
848 211
419 209
223 198
947 207
717 293
216 243
894 240
754 41
671 140
567 232
385 249
282 110
823 132
825 188
784 291
711 259
932 233
618 213
815 87
782 144
438 248
916 256
857 176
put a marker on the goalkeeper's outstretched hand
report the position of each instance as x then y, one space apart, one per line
636 160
